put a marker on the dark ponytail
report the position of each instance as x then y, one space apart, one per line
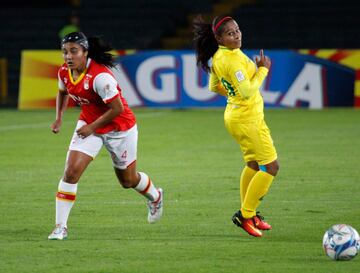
204 42
204 38
99 51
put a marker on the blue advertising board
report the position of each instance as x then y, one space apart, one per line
172 79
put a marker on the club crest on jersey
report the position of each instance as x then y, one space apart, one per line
86 84
86 81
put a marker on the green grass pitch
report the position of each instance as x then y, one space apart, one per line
189 154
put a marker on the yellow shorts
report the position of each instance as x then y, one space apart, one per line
254 139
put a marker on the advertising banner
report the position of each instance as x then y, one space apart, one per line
307 78
38 78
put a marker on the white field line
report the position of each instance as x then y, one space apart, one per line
47 124
27 126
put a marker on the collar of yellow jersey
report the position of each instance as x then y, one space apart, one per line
226 48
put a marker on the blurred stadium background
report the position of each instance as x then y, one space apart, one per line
315 49
163 24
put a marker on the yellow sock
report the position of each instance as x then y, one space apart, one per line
245 178
257 189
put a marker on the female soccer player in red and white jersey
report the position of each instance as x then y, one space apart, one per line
105 119
236 76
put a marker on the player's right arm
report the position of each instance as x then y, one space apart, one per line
61 103
215 85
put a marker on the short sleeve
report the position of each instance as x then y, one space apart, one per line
213 81
61 84
105 86
215 84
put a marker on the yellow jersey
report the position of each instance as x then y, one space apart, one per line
233 74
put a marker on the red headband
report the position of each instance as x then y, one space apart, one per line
220 22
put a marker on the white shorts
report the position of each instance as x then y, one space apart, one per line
122 145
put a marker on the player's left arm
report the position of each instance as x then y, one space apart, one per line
241 81
106 86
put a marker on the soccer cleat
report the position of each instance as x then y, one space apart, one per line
260 223
156 208
246 224
59 233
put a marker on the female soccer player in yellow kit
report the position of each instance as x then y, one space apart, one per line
235 76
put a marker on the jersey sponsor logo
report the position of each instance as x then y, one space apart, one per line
79 100
239 75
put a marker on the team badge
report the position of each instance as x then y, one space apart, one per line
86 84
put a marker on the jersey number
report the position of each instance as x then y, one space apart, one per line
230 90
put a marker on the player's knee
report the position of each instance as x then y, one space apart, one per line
128 181
273 168
126 184
72 175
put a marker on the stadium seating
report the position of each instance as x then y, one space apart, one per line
157 24
136 24
300 24
27 27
